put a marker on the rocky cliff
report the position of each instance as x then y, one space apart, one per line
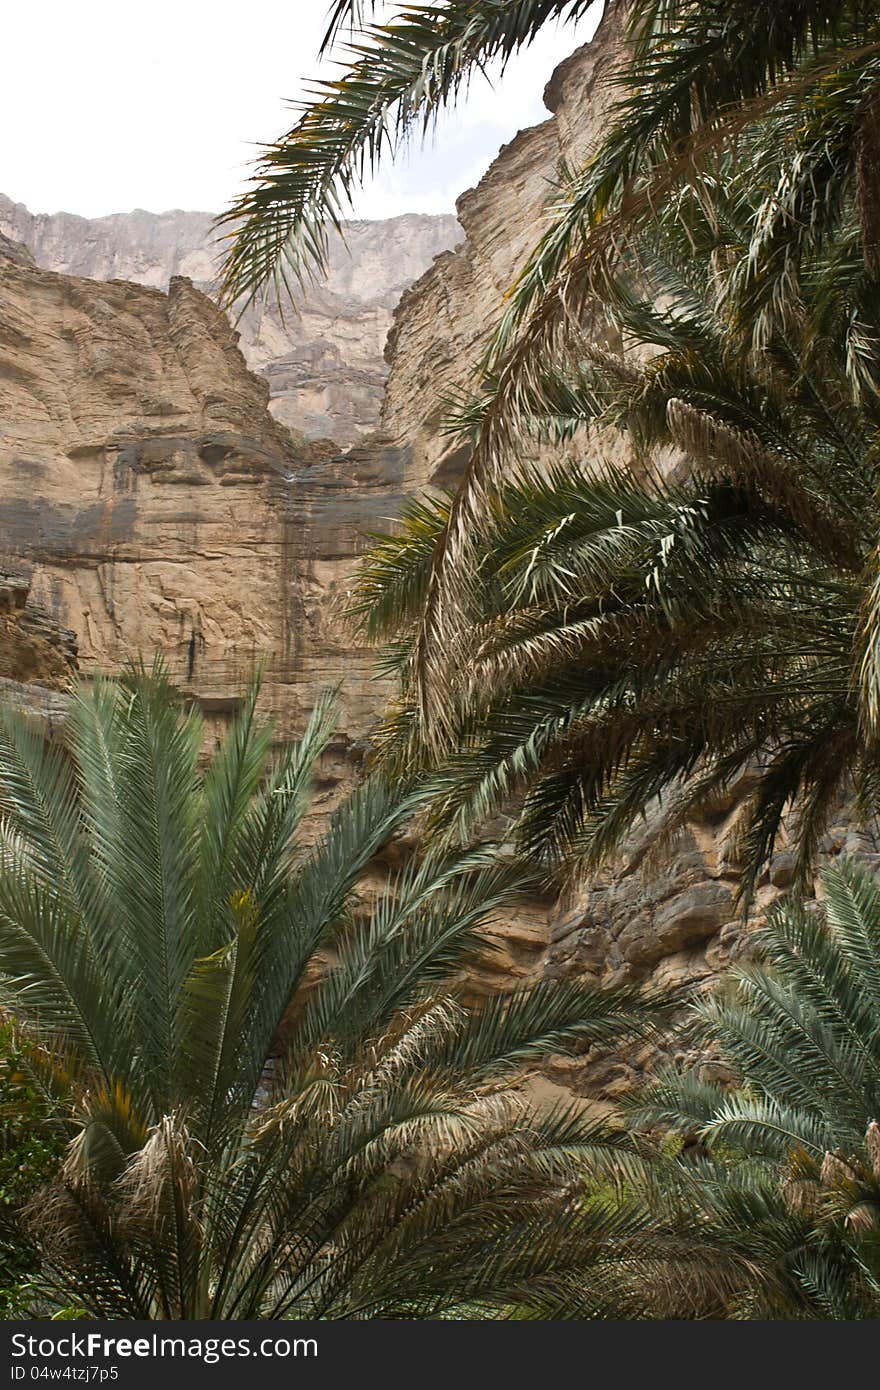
445 320
150 502
324 362
37 654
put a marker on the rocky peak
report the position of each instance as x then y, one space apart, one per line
324 361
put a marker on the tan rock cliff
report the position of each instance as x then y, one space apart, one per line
445 320
156 505
324 363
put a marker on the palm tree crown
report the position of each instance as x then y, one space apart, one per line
789 1180
627 635
797 82
277 1103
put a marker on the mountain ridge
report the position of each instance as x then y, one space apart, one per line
325 363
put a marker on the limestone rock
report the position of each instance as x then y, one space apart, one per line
155 505
444 322
37 656
323 361
40 702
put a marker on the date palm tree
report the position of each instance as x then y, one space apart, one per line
629 634
788 1168
276 1099
800 81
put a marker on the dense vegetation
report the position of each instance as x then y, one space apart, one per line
248 1078
31 1147
634 632
787 1175
277 1102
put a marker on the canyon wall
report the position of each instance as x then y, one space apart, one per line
150 502
445 320
323 361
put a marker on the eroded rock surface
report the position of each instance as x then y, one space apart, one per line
38 657
324 361
155 505
445 320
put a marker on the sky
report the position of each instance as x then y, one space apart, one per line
108 105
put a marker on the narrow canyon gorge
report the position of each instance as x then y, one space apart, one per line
173 483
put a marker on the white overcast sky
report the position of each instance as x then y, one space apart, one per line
108 105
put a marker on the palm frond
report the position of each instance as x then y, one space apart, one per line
278 1101
402 74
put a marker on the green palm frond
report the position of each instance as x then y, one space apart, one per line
393 583
345 14
521 1027
794 1148
277 1098
790 89
701 77
402 74
624 637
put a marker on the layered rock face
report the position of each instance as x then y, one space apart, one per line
37 655
673 920
152 503
323 362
